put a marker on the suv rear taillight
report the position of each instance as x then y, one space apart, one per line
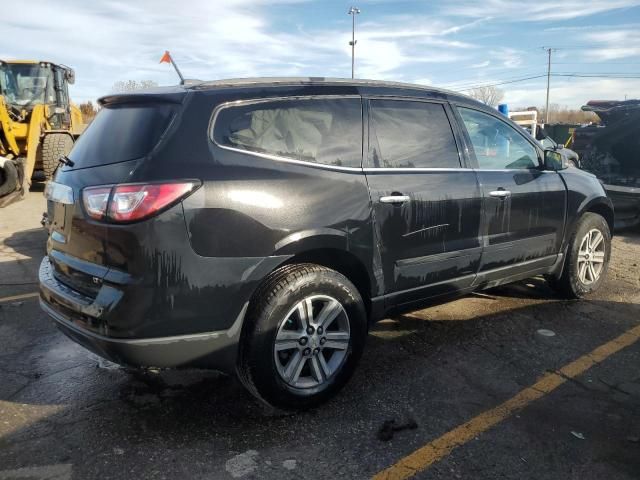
134 201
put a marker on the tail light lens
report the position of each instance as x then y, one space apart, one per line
132 202
95 201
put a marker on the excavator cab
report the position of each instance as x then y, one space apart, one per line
38 123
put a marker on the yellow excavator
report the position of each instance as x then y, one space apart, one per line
38 123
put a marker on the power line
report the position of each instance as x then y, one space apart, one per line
524 79
604 62
500 83
478 82
600 75
579 47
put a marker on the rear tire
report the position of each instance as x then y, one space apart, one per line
303 336
587 258
54 146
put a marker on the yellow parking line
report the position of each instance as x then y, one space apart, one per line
24 296
439 448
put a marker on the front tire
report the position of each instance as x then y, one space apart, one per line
54 146
587 257
303 336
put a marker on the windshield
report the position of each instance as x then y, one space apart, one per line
25 85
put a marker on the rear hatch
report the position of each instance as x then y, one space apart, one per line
611 151
124 134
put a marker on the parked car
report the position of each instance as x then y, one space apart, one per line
260 226
612 152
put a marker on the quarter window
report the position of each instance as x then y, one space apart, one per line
326 131
406 134
496 144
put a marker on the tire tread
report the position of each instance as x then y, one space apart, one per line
53 147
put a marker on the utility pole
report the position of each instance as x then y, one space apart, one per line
353 11
548 86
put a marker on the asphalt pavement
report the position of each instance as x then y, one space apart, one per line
438 383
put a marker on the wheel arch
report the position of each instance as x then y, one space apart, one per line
339 259
329 247
342 261
601 206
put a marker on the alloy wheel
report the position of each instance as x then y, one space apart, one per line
591 256
312 342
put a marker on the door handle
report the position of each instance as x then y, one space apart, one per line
395 199
500 193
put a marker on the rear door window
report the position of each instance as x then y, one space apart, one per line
325 131
121 133
409 134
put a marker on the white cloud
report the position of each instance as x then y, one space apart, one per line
535 11
573 93
459 28
111 40
508 57
612 45
118 40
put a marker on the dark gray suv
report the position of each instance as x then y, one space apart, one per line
259 226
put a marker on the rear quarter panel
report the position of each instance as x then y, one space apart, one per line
250 206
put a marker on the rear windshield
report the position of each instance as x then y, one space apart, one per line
121 133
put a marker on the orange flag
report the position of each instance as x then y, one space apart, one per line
166 58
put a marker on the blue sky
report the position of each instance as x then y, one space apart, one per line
454 44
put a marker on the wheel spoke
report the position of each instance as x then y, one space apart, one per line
328 314
325 368
598 257
582 272
286 335
305 312
316 370
584 247
339 336
286 345
592 272
337 344
597 240
294 367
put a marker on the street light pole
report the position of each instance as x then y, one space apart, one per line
548 86
353 11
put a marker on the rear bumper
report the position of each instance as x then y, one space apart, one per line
626 203
74 313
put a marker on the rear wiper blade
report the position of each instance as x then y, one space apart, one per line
66 161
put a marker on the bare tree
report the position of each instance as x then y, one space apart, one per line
488 95
564 114
88 111
132 85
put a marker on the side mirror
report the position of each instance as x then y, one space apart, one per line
553 160
70 75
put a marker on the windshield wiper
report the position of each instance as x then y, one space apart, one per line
66 161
